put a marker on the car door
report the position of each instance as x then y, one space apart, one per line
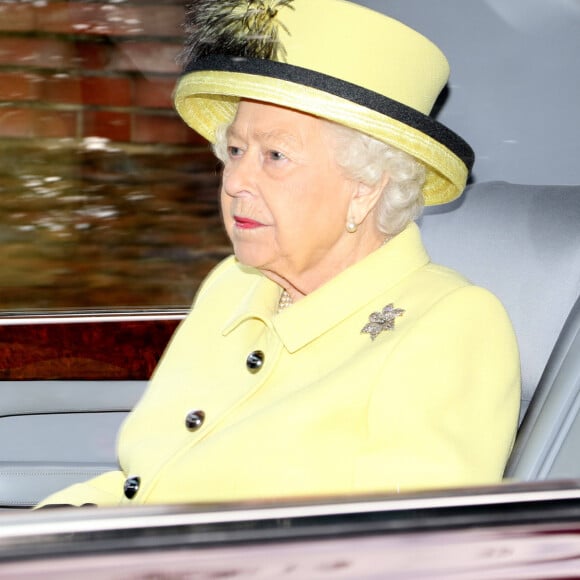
68 382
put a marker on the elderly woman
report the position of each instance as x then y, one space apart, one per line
328 355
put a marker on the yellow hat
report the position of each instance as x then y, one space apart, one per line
330 58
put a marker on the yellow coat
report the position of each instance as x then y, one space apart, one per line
431 402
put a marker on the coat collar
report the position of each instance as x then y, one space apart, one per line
330 304
258 300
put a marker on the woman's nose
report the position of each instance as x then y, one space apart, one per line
239 175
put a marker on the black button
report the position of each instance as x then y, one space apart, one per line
255 361
131 487
194 420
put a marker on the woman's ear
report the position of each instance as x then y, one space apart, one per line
365 198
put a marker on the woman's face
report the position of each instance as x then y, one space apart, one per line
285 201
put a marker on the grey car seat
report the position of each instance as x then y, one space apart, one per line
523 243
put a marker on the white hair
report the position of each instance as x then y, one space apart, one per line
368 160
220 146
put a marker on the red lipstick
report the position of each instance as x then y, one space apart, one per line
246 223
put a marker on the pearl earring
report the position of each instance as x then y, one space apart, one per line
351 226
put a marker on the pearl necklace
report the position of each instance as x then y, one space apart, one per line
285 301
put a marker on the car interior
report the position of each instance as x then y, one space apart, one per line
520 241
519 238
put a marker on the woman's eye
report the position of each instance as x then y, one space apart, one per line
234 151
276 155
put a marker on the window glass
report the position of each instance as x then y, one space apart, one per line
106 197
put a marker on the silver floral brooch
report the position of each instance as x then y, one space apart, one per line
383 320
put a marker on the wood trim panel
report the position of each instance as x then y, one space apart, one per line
88 349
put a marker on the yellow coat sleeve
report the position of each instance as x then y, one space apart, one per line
457 380
103 490
107 488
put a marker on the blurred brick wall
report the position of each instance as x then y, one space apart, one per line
78 69
106 197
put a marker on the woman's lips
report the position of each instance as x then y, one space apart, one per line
246 223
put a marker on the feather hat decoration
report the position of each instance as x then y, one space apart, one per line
235 28
333 59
